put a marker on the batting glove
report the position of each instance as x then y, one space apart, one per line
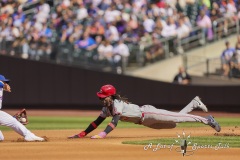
100 135
80 135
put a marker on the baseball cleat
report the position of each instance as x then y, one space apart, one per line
199 104
214 124
32 137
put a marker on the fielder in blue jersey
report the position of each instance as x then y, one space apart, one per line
120 109
10 121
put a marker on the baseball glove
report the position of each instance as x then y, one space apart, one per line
21 116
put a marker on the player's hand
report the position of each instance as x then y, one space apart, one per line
6 87
80 135
100 135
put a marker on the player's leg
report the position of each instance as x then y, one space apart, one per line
151 114
195 103
10 121
1 136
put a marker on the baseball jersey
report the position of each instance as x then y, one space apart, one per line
128 112
1 93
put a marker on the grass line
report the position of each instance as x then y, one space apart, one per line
52 123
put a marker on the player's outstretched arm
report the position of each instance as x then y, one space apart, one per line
109 128
90 128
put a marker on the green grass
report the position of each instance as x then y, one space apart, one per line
52 123
199 141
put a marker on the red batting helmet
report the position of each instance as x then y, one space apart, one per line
106 90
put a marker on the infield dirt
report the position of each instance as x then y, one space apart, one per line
60 148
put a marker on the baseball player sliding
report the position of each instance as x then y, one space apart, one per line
10 121
120 109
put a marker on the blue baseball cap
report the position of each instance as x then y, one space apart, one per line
2 78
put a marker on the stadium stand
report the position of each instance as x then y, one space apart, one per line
71 31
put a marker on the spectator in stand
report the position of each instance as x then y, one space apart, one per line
130 36
187 22
105 51
225 58
155 51
121 25
206 3
77 33
64 36
42 13
234 66
159 24
161 4
182 77
169 30
105 4
9 37
169 10
148 24
229 14
111 14
86 42
45 47
46 31
97 29
121 53
133 23
183 30
92 10
216 14
111 33
205 23
146 40
237 48
18 18
16 41
153 11
179 6
82 13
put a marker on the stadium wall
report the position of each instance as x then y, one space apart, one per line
41 85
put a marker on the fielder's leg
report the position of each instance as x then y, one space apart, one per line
9 121
1 136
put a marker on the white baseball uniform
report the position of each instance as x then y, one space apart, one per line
10 121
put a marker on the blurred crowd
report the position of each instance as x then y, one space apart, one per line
107 26
230 59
